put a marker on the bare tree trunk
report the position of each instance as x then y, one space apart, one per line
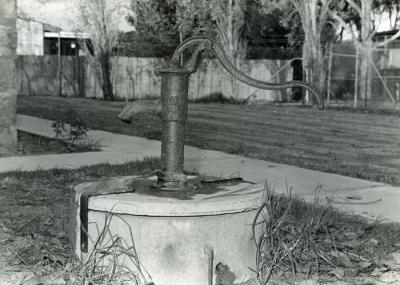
364 44
107 85
366 50
314 62
8 90
313 14
229 18
363 77
282 77
99 21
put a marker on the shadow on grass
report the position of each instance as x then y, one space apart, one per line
217 98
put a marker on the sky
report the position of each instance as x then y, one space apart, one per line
60 13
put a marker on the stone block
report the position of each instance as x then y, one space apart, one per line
8 131
8 40
8 81
8 84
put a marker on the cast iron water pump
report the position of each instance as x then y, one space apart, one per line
174 105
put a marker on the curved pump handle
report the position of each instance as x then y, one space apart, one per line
203 43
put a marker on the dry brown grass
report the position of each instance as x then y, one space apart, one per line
112 260
297 238
34 211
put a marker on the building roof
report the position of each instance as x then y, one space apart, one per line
66 35
51 28
384 34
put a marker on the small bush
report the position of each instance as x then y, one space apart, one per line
70 126
72 129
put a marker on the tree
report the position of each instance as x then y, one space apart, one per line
392 8
169 20
155 22
362 29
267 30
166 23
100 21
314 17
194 18
229 18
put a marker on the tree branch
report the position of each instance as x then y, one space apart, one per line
345 25
355 6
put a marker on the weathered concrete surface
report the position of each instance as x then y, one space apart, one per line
8 86
181 233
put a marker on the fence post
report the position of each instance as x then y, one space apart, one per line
356 80
382 80
59 66
328 97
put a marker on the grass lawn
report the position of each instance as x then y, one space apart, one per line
34 231
34 211
354 143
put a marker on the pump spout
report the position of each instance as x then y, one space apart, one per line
140 107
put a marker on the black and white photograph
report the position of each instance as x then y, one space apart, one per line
199 142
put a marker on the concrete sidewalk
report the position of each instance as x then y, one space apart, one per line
377 199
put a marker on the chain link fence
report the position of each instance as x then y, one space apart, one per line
344 77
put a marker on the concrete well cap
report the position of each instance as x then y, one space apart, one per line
242 197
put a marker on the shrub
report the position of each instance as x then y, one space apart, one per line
70 127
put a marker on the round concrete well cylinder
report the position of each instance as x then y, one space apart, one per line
180 241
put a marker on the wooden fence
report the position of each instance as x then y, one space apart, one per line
51 76
136 78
